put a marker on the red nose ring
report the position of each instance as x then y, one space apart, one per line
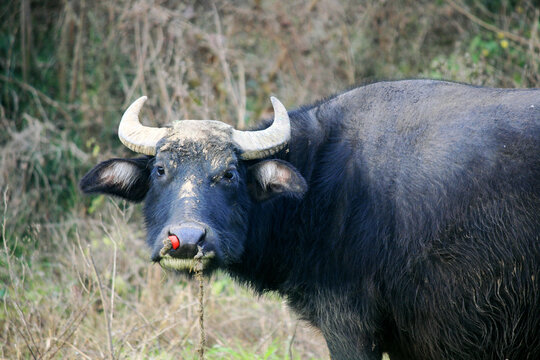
174 241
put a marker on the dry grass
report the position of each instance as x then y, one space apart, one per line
103 299
76 281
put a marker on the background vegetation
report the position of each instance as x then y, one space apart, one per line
75 277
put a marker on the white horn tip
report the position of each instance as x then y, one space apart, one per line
134 108
141 100
137 104
276 103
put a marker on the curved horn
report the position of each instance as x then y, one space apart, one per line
258 144
139 138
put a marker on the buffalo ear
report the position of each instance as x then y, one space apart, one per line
126 178
271 178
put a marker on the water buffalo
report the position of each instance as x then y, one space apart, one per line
399 217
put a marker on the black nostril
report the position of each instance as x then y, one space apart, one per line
189 233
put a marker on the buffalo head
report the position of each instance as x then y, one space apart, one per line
200 180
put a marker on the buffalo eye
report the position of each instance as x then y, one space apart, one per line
230 175
160 170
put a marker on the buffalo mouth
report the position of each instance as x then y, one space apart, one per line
185 258
189 264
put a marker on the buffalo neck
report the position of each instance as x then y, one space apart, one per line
291 245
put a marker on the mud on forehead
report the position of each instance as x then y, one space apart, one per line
199 130
214 152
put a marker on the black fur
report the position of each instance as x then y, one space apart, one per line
419 234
